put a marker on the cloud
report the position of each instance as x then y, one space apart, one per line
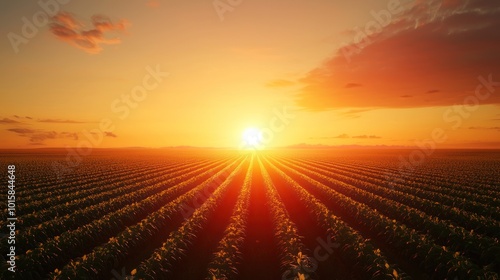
30 120
352 85
38 137
342 136
8 121
353 113
58 121
433 91
21 130
70 135
433 44
367 137
65 27
485 127
110 134
280 83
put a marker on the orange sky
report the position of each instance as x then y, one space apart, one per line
158 73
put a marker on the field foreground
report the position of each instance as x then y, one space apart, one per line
284 214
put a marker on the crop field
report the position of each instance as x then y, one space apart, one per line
282 214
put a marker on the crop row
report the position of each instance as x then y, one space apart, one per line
295 263
84 180
225 260
85 190
28 201
465 188
435 260
455 238
40 181
58 250
31 236
467 200
426 178
471 221
63 209
360 253
162 259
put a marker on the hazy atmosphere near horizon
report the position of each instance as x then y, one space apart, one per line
199 73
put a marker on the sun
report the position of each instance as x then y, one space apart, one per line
252 137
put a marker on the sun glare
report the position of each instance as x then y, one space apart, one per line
252 137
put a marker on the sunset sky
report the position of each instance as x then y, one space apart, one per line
155 73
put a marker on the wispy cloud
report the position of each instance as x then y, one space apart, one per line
340 136
110 134
29 120
9 121
73 135
352 85
433 91
59 121
65 27
38 136
22 130
353 113
366 137
485 127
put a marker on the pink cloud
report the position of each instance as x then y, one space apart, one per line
65 27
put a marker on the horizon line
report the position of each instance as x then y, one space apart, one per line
295 146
